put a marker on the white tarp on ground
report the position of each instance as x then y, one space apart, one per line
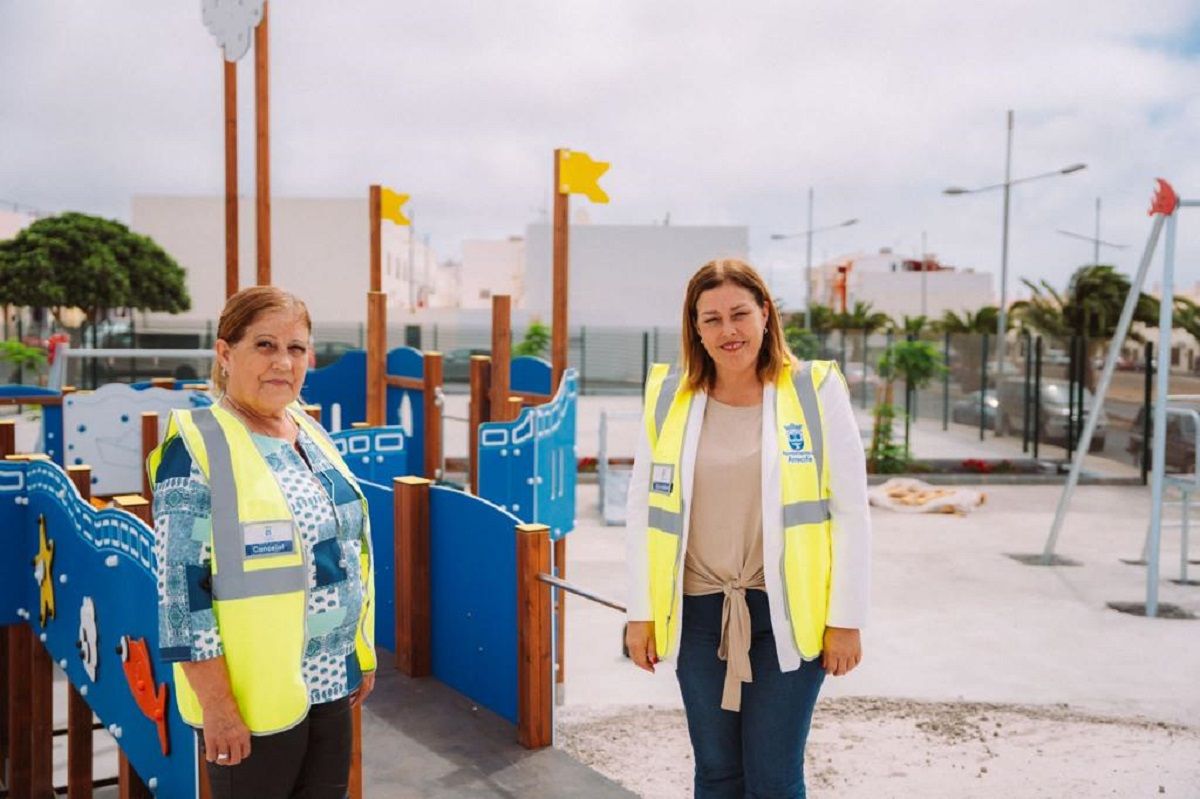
907 495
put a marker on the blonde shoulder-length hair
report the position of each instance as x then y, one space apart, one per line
699 371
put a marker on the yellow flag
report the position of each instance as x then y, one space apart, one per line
579 174
389 206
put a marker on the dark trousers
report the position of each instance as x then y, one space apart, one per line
309 761
759 752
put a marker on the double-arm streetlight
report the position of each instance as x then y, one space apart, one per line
808 234
1095 240
1002 323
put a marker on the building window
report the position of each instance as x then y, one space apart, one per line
485 294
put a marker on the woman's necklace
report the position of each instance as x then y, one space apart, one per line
264 425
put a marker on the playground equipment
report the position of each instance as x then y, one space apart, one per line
1163 208
73 592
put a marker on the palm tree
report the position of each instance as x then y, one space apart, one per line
1090 307
863 316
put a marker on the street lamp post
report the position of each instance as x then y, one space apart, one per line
1095 240
1002 322
808 236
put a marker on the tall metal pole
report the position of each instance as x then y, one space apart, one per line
412 266
924 303
1159 453
1002 322
808 265
1110 362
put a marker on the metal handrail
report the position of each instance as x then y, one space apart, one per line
573 589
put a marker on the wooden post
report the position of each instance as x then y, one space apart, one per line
79 714
41 721
8 438
479 411
413 620
262 152
231 179
512 409
501 349
149 443
20 710
373 201
433 414
132 503
558 331
356 777
534 708
376 358
560 619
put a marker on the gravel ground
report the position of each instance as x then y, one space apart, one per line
872 748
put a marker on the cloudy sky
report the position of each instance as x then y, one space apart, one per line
713 112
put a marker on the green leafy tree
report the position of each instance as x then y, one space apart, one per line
21 355
536 341
916 363
79 261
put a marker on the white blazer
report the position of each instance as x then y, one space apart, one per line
851 520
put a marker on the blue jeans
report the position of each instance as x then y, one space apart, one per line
759 752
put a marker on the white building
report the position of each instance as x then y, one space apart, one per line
320 250
898 286
489 267
625 275
13 222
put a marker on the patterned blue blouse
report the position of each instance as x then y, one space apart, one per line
333 529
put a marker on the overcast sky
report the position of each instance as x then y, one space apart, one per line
713 112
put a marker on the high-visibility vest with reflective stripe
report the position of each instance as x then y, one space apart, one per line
804 491
260 602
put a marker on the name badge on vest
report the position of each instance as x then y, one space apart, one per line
797 451
268 538
662 478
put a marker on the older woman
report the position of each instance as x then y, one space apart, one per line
748 533
264 560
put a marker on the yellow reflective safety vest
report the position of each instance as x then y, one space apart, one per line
260 600
804 491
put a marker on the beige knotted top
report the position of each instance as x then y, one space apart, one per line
725 550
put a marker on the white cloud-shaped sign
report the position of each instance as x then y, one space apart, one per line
232 23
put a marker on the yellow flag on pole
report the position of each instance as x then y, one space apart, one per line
579 174
389 206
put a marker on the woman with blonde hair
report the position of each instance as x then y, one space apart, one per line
748 535
264 564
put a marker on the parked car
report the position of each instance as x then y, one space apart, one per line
1181 437
326 352
966 410
1055 413
456 364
